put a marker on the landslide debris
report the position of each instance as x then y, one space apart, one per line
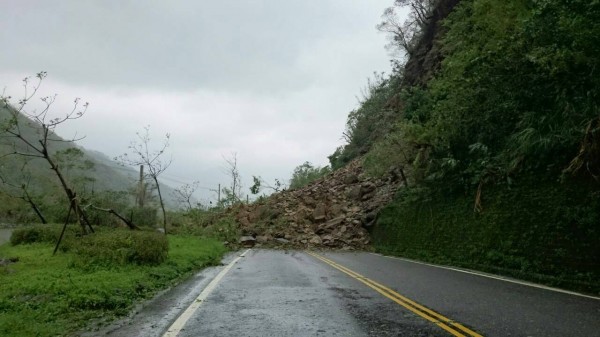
332 212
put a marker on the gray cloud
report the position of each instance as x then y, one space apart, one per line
271 80
224 45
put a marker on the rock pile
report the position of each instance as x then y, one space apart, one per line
334 211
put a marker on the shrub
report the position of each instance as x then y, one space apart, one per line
120 247
536 229
39 233
224 229
144 216
192 222
307 173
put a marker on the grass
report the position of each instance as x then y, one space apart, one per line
45 295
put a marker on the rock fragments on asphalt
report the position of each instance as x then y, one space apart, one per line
332 212
247 241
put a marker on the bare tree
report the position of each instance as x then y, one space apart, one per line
142 154
233 193
184 194
404 33
261 184
39 145
21 191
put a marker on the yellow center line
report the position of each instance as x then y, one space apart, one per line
426 313
370 284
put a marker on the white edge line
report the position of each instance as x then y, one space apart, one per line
495 277
179 323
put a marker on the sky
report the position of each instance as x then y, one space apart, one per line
269 80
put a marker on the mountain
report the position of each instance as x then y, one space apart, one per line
88 171
491 123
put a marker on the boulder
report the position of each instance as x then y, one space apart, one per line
332 212
320 213
315 240
333 222
354 192
247 241
263 238
351 179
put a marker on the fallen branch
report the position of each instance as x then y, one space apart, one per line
129 224
589 152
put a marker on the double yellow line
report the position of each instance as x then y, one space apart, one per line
445 323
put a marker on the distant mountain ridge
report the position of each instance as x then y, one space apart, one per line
105 175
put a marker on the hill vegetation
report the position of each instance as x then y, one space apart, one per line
87 284
93 174
495 119
100 270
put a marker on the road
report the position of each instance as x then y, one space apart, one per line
295 293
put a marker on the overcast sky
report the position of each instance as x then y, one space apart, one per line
271 80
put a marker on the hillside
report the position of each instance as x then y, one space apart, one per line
91 172
493 119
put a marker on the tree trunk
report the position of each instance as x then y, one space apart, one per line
36 210
113 212
162 204
79 213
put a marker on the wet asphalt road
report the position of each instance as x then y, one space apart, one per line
279 293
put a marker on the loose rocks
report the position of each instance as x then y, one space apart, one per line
330 212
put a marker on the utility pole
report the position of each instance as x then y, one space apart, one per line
219 196
141 188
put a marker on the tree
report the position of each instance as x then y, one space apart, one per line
21 191
233 193
260 183
75 167
142 154
184 194
39 144
404 34
370 121
306 173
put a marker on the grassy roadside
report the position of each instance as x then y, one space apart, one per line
45 295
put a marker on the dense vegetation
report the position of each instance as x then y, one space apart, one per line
45 295
501 142
30 191
306 173
98 269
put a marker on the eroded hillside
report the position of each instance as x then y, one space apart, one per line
335 211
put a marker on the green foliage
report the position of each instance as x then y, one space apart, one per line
77 168
537 229
39 233
45 295
224 228
212 223
119 247
259 184
306 173
392 151
90 173
522 88
106 246
371 120
118 201
255 188
196 217
516 98
144 216
229 198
